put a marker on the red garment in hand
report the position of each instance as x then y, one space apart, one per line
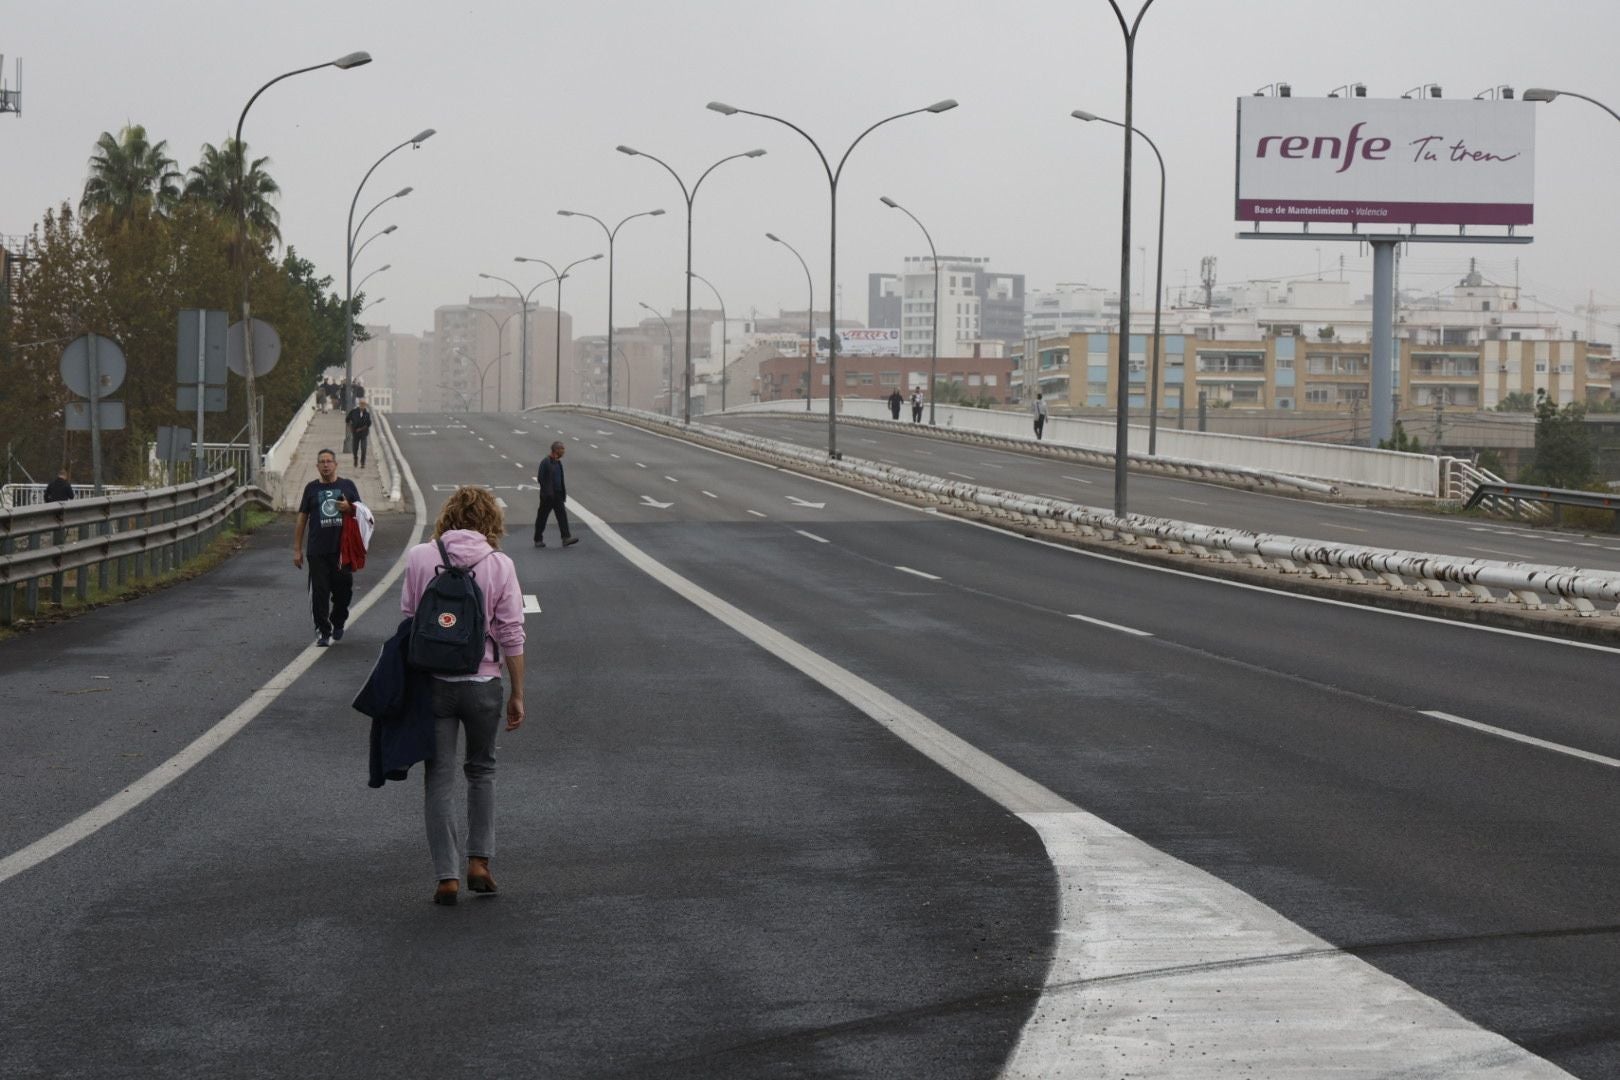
352 546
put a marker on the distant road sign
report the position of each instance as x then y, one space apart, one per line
75 366
213 348
111 414
173 443
266 348
185 398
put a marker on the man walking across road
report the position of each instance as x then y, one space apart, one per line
359 422
895 401
1039 408
553 494
327 501
916 406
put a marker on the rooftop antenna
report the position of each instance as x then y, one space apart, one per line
10 100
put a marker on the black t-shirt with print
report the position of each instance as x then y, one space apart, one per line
320 502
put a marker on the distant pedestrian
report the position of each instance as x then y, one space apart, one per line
553 494
916 406
359 424
1039 408
60 489
327 501
470 527
895 401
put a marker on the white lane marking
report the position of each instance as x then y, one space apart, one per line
924 453
796 501
756 513
711 494
1079 480
672 480
1195 502
1345 528
1579 544
813 536
110 810
1560 748
531 604
505 458
500 502
918 573
963 475
1285 996
648 500
612 455
594 446
639 465
1495 551
517 464
1111 625
991 465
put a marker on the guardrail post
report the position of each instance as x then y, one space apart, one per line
31 591
58 538
81 576
8 592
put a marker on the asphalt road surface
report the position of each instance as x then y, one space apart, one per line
814 784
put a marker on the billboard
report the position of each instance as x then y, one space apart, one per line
853 341
1370 162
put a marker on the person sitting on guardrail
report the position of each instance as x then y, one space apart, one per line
60 489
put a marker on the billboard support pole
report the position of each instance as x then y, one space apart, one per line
1383 341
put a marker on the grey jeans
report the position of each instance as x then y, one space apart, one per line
477 707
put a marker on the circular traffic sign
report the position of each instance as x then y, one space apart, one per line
266 348
75 365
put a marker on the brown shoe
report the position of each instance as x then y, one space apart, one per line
478 878
447 893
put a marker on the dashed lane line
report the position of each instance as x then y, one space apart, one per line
1585 755
813 536
1111 625
918 573
711 494
756 513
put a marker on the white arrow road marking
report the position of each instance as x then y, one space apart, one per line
756 513
711 494
648 500
796 501
531 604
919 573
813 536
500 502
1111 626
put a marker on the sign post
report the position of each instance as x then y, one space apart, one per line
93 366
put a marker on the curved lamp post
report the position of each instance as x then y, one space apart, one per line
810 316
1158 290
1122 430
523 360
342 63
611 235
832 291
689 196
933 352
373 236
723 336
1541 93
348 274
669 356
556 376
483 373
400 194
500 350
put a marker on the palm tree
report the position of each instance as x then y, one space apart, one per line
130 175
213 181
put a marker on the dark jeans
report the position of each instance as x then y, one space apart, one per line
360 442
1040 425
330 590
547 506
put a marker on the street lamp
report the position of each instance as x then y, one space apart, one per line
689 196
373 236
400 194
1158 288
1122 431
342 63
348 274
832 292
723 336
810 316
523 359
483 373
611 234
669 357
1541 93
500 345
556 356
933 352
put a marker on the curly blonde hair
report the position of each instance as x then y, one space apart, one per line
472 507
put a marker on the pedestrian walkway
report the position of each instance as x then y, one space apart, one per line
326 432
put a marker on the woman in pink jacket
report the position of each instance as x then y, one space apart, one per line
471 526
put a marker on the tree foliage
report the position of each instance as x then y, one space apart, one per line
1518 402
213 180
1564 456
1401 441
131 178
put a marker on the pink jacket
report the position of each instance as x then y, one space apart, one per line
497 580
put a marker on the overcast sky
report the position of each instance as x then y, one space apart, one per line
530 100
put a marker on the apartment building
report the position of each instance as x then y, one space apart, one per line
976 305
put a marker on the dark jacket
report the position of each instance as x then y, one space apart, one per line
550 477
58 490
359 422
399 700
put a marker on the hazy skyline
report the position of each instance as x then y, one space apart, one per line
529 104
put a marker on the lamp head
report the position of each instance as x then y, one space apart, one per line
890 203
722 108
384 266
486 275
1539 93
422 136
773 236
755 153
388 230
565 213
402 192
352 60
1081 114
655 213
621 148
942 106
593 258
515 258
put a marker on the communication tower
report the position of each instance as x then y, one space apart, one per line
10 100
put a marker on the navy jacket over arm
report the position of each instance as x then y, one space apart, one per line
399 700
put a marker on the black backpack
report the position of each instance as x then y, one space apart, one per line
447 632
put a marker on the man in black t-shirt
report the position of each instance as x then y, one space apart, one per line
327 501
359 421
60 489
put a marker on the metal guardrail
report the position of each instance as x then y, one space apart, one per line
388 460
119 536
1571 589
16 495
1501 492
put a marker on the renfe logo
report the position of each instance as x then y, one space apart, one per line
1329 146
